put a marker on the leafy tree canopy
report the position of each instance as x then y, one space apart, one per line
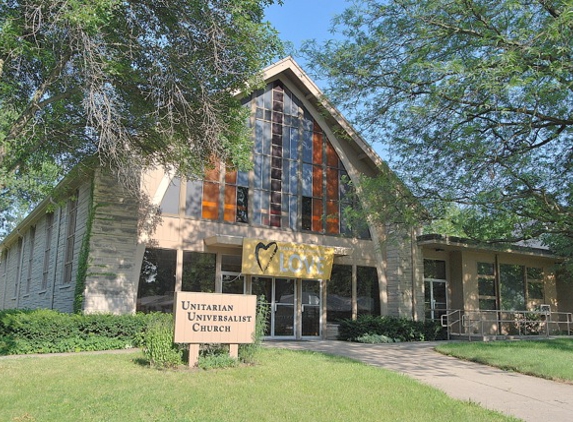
133 83
474 99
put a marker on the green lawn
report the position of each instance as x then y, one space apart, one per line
550 359
284 386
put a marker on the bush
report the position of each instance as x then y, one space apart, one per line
48 331
158 346
400 329
247 352
374 339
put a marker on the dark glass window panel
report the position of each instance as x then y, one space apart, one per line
276 208
534 273
486 286
368 291
276 162
275 220
233 284
277 121
339 294
267 115
242 204
276 151
170 201
535 291
487 304
276 185
231 263
276 174
277 141
306 213
485 268
276 197
157 281
512 287
198 272
435 269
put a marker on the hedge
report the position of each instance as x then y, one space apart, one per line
47 331
398 329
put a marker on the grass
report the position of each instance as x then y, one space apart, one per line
284 386
550 359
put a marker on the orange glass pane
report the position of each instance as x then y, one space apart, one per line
332 184
212 173
332 217
331 155
317 181
210 201
230 208
317 148
231 177
317 211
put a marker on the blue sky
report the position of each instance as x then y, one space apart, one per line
300 20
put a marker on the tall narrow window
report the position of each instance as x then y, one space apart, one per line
18 266
70 238
486 286
31 241
47 249
535 287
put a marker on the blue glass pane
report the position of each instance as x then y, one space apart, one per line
286 142
170 202
293 211
265 203
243 178
258 95
258 172
307 180
307 146
266 172
294 141
287 102
257 207
293 174
259 128
308 121
266 138
267 97
193 197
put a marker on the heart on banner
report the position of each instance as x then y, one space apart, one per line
265 254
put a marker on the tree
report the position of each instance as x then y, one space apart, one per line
133 83
474 98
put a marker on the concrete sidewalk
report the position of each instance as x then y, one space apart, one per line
522 396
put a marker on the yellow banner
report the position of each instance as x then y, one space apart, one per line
284 259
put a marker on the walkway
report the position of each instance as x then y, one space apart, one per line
522 396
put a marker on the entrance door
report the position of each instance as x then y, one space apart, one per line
435 298
280 294
310 308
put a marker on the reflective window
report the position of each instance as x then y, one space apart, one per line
157 281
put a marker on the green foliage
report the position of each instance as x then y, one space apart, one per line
136 84
248 351
474 101
398 329
158 346
216 356
374 339
47 331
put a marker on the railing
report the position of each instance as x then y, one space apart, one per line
506 323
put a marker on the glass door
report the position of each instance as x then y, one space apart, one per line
435 298
310 308
280 294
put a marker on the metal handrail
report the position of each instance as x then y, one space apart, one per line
524 322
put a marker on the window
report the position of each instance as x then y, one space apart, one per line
339 288
18 266
70 238
368 293
157 281
512 287
198 272
31 241
435 288
535 287
47 249
486 286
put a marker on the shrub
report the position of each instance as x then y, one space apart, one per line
374 339
400 329
158 346
247 352
48 331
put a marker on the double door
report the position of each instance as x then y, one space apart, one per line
295 306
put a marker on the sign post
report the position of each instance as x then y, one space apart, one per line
214 318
